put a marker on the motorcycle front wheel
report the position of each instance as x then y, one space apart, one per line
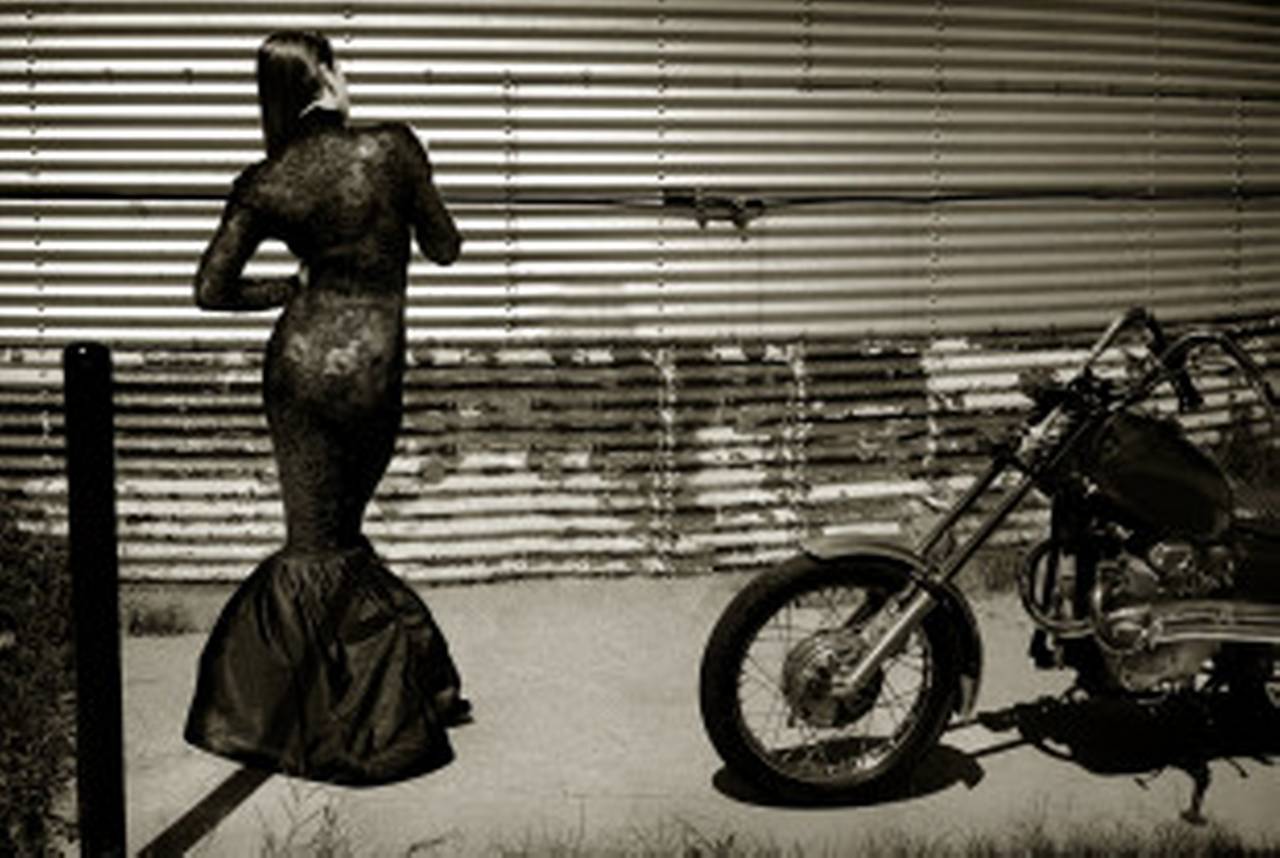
775 699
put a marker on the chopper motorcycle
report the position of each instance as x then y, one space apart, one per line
829 676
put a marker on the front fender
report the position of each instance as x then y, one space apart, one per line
828 548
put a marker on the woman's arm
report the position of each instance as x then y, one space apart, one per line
437 234
219 283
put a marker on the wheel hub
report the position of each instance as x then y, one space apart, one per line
815 679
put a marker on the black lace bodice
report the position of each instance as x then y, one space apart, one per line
344 200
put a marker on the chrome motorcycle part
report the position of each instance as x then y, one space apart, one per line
1161 668
1191 621
968 640
1188 570
815 679
1147 646
779 699
1057 616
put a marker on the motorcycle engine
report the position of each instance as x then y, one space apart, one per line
1170 571
1190 571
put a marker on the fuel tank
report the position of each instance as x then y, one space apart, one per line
1148 474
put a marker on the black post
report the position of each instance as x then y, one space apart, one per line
91 509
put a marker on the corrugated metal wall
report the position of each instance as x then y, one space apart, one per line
734 270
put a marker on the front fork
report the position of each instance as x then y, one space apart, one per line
918 599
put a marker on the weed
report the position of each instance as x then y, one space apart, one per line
1031 839
1001 566
145 620
314 829
37 685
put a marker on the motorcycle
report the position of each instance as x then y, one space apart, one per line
829 676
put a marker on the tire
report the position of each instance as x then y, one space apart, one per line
826 751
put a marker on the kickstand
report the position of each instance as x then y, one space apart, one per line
1200 777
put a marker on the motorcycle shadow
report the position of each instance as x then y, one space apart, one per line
1117 736
1104 736
939 769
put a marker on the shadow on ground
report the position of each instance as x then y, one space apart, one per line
939 769
1102 736
1130 737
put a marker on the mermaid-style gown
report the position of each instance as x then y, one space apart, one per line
323 664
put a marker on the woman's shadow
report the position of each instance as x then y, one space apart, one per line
1104 736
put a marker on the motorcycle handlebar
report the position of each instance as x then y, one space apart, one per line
1188 343
1189 398
1173 362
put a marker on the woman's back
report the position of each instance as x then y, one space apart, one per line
344 201
332 198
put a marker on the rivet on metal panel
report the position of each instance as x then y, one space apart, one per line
661 83
37 261
935 164
509 155
1237 194
46 391
662 528
795 430
661 172
33 101
806 46
661 276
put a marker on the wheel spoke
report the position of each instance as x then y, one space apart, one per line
775 717
762 676
823 745
893 700
813 746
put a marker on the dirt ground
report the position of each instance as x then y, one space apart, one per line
587 731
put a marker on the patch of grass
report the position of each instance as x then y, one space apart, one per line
142 619
998 568
1029 840
37 687
676 837
314 828
1115 839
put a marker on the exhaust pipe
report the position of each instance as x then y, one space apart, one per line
1150 625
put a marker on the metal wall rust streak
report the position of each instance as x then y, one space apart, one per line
560 458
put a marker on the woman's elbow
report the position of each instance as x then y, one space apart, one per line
446 250
454 249
209 295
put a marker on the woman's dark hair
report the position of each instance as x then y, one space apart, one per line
289 66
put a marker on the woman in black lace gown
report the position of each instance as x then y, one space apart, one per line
323 664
